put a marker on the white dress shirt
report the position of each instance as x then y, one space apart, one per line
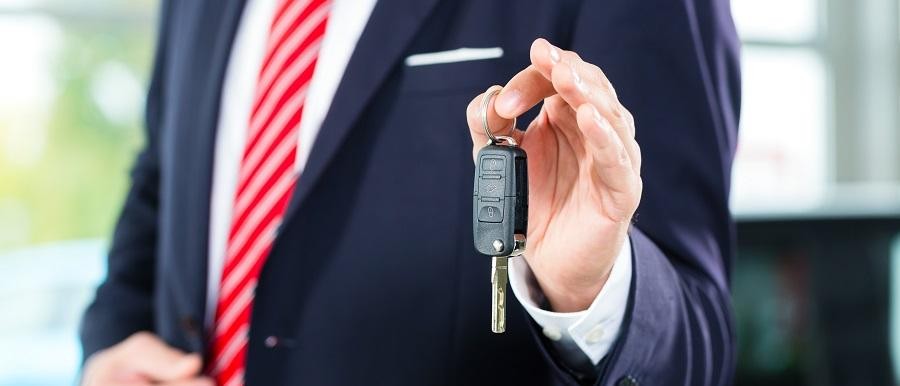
587 333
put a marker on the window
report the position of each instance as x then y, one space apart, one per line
783 141
73 76
819 139
819 125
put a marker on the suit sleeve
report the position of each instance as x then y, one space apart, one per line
674 65
123 303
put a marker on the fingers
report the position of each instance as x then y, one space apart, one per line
144 359
612 165
200 381
152 358
523 91
497 124
546 57
534 83
563 121
579 82
563 81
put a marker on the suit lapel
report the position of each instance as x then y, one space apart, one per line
389 31
216 24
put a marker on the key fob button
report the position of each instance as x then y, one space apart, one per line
491 187
493 164
490 213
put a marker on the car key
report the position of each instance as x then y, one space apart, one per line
500 210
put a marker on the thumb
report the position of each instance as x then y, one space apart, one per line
497 124
157 361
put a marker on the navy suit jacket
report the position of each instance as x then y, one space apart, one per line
373 279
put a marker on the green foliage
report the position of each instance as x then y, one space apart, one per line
76 187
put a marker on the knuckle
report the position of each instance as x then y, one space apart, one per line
138 340
97 366
597 75
470 109
608 105
637 150
608 86
627 118
572 56
624 111
622 156
638 192
601 75
567 86
471 117
554 107
563 81
141 336
97 360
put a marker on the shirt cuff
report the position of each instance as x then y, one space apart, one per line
591 331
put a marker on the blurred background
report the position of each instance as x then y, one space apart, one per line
816 182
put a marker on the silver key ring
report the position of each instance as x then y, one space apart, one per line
485 102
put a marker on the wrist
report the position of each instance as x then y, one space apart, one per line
573 287
571 296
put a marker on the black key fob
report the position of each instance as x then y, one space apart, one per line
500 201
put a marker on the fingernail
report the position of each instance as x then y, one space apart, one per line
598 119
554 54
508 102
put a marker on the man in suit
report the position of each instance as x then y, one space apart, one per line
300 214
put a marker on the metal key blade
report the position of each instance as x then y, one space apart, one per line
498 293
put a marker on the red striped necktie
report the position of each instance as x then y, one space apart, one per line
267 176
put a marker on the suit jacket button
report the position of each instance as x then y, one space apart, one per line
627 381
271 341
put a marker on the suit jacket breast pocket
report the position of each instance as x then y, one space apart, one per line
472 76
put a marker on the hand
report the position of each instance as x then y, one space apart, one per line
584 170
144 359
